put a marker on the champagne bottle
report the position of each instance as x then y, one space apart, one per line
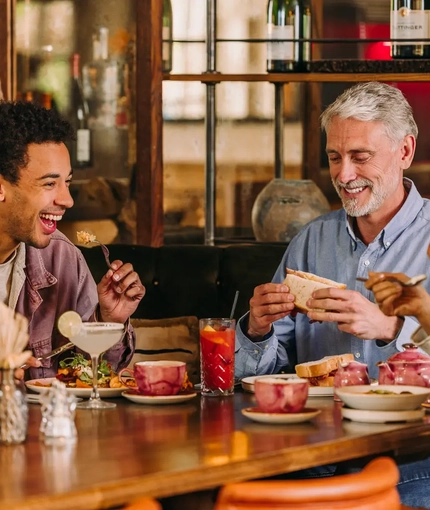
288 19
80 149
167 49
410 20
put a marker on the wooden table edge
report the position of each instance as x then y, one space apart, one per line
179 482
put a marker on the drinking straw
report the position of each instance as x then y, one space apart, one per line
233 308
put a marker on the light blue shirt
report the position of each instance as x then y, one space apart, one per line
328 247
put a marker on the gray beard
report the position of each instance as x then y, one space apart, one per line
351 204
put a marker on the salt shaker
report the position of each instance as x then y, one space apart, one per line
58 415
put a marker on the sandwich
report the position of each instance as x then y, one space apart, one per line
321 372
302 285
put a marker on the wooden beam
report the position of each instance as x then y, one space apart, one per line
6 41
312 106
149 123
300 77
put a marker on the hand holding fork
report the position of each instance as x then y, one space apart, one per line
120 294
87 238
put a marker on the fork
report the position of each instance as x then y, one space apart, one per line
105 251
408 283
53 353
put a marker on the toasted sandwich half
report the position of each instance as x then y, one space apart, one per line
302 285
321 372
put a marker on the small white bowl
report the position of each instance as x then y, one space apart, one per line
358 397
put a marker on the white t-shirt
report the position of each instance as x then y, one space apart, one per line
6 278
12 277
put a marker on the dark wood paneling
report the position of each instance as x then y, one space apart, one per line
312 106
6 70
149 153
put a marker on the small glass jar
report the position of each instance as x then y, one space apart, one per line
13 409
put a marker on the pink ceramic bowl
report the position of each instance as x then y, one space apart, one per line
276 395
159 377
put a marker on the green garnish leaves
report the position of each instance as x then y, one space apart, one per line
104 367
84 377
76 361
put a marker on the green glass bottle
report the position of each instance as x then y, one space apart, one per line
410 19
167 48
288 19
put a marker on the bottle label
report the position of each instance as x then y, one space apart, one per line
83 145
280 50
410 24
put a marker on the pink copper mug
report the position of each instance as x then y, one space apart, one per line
157 378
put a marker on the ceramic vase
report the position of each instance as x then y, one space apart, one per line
284 206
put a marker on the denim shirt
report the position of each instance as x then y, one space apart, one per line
328 247
57 279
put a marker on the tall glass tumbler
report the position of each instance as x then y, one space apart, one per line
217 339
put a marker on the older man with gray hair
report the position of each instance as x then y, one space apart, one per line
384 225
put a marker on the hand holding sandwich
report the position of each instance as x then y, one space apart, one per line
325 300
353 313
270 302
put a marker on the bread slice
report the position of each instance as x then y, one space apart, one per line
325 382
302 284
323 366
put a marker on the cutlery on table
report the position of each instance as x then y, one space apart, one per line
408 283
53 353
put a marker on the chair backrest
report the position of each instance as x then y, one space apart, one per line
374 488
143 504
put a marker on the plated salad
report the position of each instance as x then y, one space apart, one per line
77 372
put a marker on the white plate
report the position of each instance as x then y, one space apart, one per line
253 413
35 399
314 391
357 397
382 416
157 400
78 392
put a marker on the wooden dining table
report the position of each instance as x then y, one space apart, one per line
165 450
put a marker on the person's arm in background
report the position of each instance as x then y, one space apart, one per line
395 299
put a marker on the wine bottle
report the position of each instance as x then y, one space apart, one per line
410 20
101 83
288 19
167 49
80 149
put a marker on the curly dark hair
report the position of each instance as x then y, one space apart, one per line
22 124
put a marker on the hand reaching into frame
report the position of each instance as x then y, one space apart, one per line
394 299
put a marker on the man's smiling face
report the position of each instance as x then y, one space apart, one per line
31 208
365 165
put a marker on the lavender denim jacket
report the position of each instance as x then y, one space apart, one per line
58 279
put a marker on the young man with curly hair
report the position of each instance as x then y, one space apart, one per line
42 274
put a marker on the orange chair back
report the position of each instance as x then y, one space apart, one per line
374 488
144 504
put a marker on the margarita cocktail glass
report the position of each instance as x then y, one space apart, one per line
95 338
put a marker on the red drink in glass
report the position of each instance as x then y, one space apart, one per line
217 338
